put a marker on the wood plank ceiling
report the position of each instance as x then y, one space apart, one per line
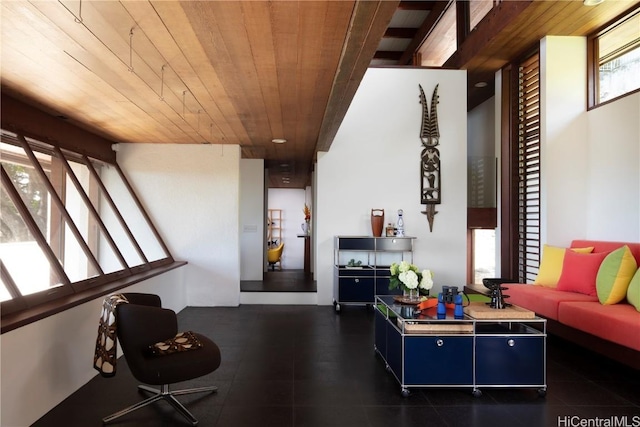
244 72
193 72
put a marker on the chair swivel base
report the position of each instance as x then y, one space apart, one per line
166 394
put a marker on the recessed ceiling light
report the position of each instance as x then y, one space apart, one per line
278 140
481 84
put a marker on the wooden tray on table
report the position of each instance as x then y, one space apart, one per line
480 310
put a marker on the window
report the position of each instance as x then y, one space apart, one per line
614 68
68 223
484 254
481 218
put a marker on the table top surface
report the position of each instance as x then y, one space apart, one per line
411 312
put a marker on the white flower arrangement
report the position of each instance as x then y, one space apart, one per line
407 276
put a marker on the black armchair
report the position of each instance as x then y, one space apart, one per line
140 324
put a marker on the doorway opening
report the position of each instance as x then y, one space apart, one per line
287 245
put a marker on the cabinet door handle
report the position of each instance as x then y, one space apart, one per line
439 342
511 342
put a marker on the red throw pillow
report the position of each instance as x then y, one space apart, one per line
579 272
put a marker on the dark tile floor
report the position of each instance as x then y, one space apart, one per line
281 281
308 366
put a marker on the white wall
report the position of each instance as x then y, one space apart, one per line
590 160
193 193
613 200
563 136
374 162
291 201
252 221
46 361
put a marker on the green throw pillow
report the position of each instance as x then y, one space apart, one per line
633 292
614 275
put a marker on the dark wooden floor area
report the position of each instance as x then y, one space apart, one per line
281 281
306 366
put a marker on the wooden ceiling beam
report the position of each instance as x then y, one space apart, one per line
32 122
368 24
425 29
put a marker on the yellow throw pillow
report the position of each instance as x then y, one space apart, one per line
614 275
551 264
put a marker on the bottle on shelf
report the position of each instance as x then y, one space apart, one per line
400 232
390 231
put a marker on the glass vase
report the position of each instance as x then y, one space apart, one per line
411 295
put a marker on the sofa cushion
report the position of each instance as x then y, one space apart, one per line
633 291
615 273
619 323
544 301
579 272
604 246
551 264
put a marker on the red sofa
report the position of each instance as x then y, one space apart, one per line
613 330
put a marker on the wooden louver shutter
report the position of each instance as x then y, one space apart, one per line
529 169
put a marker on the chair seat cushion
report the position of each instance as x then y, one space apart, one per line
179 366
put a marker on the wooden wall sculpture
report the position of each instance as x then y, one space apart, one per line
430 181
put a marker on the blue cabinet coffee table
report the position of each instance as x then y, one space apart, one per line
421 350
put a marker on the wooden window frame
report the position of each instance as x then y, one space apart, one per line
24 309
593 56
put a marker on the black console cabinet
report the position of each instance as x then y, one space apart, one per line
360 283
